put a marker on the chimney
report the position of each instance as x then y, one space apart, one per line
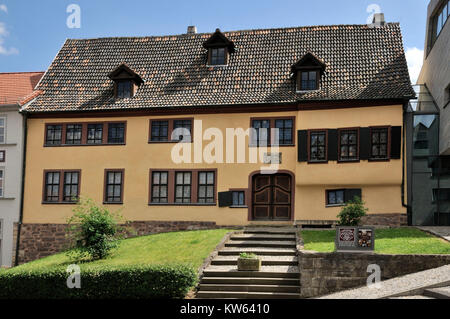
378 19
192 29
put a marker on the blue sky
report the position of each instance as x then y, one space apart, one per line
32 32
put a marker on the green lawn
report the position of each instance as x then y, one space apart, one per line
188 247
387 241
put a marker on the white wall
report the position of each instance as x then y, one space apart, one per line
10 203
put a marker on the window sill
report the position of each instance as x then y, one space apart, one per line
71 145
238 206
7 198
281 145
349 161
379 159
112 203
306 91
8 144
334 205
167 142
182 204
318 162
59 203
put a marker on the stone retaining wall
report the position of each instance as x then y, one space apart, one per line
391 220
325 273
41 240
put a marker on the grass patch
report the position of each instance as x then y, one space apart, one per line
387 241
187 247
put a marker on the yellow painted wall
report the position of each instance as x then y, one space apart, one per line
380 182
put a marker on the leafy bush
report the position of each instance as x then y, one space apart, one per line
93 230
248 256
131 282
352 212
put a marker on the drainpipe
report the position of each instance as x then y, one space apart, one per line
405 162
24 158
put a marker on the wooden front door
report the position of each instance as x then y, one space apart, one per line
272 197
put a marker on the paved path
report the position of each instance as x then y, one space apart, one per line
413 285
440 231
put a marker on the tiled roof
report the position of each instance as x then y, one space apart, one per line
14 87
361 63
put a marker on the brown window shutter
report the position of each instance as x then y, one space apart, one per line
396 142
302 141
333 145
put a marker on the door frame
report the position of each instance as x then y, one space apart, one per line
250 192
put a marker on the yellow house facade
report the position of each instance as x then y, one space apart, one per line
223 129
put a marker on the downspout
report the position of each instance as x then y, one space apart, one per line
404 163
22 191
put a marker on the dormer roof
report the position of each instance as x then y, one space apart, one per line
217 40
124 72
309 61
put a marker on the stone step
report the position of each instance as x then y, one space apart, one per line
246 295
249 243
260 251
249 288
266 260
269 230
250 280
266 272
263 237
438 293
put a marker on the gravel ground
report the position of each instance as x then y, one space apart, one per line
412 284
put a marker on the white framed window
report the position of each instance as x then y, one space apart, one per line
2 129
2 182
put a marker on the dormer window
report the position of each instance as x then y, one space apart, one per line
308 72
219 49
218 56
124 89
308 80
126 82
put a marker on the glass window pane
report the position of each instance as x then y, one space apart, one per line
210 178
156 176
164 178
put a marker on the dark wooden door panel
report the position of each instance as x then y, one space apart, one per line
271 196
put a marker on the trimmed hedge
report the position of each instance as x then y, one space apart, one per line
136 282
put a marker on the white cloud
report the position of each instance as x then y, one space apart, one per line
414 57
4 33
3 8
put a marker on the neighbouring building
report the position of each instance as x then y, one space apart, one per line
430 158
16 89
330 102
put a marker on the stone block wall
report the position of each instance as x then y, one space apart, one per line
41 240
391 220
325 273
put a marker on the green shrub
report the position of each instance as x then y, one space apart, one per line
248 256
93 231
352 212
130 282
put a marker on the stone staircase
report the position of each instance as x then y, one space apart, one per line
279 276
